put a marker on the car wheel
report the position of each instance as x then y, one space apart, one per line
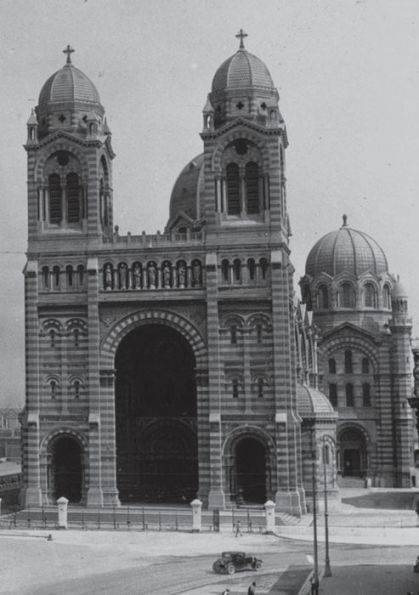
230 569
217 567
258 565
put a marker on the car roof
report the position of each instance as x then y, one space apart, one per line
233 554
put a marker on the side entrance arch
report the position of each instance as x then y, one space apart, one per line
352 453
248 469
65 473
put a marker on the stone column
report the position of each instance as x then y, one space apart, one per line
31 455
62 512
196 515
107 403
94 493
216 497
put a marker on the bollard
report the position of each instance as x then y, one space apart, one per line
270 516
62 512
196 515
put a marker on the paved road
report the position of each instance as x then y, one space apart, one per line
372 569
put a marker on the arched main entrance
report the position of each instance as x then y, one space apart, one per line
156 416
353 453
66 474
250 470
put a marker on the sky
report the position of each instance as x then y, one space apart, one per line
348 77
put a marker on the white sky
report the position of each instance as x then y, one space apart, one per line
347 73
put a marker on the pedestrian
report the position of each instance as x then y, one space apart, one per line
252 589
226 592
238 529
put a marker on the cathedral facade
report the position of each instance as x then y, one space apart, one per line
168 366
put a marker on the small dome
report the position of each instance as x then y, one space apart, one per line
346 250
398 291
68 85
188 190
240 71
311 402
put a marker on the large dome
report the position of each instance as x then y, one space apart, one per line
187 191
346 250
68 85
241 71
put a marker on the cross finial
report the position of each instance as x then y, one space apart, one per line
241 35
68 50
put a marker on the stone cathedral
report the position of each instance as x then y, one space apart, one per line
168 366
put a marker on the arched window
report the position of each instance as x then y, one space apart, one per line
251 267
365 365
366 394
370 296
55 204
76 337
45 277
53 389
76 389
333 394
346 296
235 388
233 189
56 276
322 297
69 275
237 270
52 338
260 388
233 334
259 333
73 198
387 297
80 275
263 264
332 366
326 454
252 188
225 271
349 391
348 362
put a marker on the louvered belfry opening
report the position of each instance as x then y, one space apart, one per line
233 189
252 188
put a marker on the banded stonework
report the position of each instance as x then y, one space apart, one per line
162 367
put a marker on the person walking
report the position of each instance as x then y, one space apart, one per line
238 529
226 592
252 589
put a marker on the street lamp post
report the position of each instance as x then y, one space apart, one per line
327 569
315 579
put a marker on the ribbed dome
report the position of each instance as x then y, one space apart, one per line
68 85
188 189
240 71
346 250
311 401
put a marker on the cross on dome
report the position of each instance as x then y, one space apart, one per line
68 50
241 35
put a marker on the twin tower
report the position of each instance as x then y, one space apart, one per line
169 366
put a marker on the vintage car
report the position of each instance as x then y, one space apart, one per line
230 562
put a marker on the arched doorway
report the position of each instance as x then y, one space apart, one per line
250 471
156 416
66 468
353 454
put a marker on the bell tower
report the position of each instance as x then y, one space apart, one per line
245 139
69 162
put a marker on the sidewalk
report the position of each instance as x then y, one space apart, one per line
371 580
